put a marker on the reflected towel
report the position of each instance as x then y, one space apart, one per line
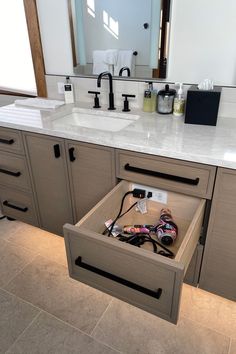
99 65
125 58
111 56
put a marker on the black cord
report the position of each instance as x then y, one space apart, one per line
2 217
110 228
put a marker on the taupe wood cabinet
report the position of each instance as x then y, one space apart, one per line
92 174
68 177
137 275
16 194
47 158
218 273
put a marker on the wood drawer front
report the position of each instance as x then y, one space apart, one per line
11 140
218 273
18 205
14 171
192 179
135 275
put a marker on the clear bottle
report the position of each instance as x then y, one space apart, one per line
179 102
149 99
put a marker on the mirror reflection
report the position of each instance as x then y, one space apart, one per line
124 37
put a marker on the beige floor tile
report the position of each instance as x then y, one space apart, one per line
233 347
7 228
132 330
47 285
47 244
13 259
209 310
48 335
15 316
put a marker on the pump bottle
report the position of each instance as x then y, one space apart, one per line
69 92
179 102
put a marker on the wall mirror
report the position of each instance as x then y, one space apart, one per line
110 35
201 38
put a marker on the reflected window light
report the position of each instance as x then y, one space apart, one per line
230 156
111 25
91 7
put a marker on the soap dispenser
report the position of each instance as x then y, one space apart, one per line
179 101
69 92
149 99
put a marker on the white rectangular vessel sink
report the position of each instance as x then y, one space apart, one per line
96 119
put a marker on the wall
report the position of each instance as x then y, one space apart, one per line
208 50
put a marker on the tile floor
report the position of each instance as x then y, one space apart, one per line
42 310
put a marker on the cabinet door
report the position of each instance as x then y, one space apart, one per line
218 273
50 179
92 174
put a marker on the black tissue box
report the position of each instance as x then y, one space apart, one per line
202 106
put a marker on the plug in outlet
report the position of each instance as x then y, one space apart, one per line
158 195
60 88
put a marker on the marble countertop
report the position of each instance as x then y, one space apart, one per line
152 134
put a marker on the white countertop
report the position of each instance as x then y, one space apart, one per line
152 134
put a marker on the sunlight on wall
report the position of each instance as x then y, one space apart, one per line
111 25
91 7
16 66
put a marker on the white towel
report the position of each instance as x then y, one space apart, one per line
125 58
39 103
99 65
111 56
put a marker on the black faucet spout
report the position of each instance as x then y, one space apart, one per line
125 68
111 94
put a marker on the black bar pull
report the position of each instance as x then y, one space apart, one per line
71 154
103 273
10 173
193 182
12 206
57 152
7 141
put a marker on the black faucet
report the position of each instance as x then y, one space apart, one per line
111 94
123 69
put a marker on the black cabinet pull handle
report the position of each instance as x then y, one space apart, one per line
10 173
155 294
57 151
193 182
7 141
71 154
9 205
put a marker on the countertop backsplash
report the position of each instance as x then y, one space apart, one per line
83 85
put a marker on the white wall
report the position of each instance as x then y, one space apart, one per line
55 36
202 41
130 16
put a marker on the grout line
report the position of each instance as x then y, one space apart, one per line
22 333
18 273
100 319
20 299
230 345
206 327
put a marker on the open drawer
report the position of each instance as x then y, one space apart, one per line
136 275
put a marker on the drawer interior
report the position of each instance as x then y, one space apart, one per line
185 212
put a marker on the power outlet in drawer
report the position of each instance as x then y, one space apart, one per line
158 195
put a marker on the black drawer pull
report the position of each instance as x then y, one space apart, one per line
71 154
57 152
10 173
193 182
5 141
9 205
155 294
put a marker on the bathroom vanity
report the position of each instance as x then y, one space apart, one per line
54 173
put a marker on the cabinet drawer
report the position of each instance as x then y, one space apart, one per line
18 205
136 275
10 140
14 171
180 176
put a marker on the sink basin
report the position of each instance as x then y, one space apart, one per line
96 119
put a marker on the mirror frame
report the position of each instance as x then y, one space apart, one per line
161 72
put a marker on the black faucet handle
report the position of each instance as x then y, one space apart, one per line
126 102
96 99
